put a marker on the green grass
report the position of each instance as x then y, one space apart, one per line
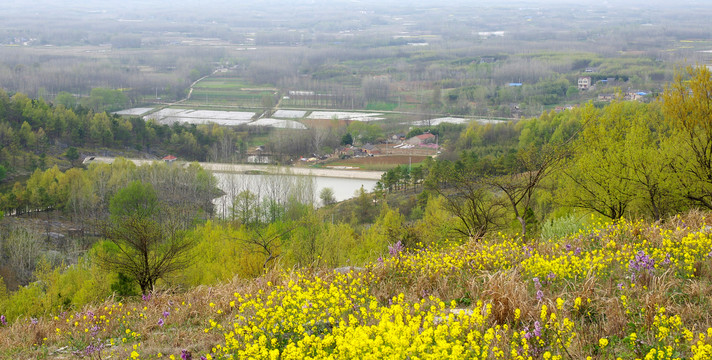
234 91
381 106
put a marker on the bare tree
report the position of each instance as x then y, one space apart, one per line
22 248
469 199
268 241
532 165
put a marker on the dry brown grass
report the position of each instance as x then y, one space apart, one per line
506 291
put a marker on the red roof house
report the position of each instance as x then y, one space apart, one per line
426 138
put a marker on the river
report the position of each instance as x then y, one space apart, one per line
278 182
283 186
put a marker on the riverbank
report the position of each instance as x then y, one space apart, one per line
269 169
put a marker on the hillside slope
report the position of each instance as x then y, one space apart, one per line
626 289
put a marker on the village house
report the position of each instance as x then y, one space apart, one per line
169 159
606 97
635 95
584 82
397 137
371 149
422 139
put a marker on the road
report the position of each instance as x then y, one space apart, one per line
245 168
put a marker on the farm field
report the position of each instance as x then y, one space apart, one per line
134 111
229 91
343 115
289 114
187 116
278 123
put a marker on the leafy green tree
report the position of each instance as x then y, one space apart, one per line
622 162
365 210
72 153
246 208
347 139
78 190
103 99
327 196
306 244
100 129
145 249
596 177
138 199
365 132
27 137
687 106
66 99
650 157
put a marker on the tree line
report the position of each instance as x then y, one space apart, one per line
628 159
37 134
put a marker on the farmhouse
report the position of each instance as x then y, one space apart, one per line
397 137
370 149
584 82
635 95
423 139
169 159
606 97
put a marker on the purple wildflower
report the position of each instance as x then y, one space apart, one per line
203 357
93 348
537 329
146 297
577 252
641 261
527 334
527 250
160 322
620 286
667 260
395 249
568 247
537 286
551 276
34 321
3 321
166 313
186 355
